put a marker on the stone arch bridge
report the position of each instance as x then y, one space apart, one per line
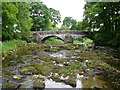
66 35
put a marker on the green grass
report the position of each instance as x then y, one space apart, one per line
53 40
64 71
7 45
73 67
88 41
83 40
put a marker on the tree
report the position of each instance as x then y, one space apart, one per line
25 22
15 20
103 22
64 28
81 26
40 15
8 20
55 16
69 22
44 18
74 26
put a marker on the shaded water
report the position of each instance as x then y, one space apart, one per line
61 66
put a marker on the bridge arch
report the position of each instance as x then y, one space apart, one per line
49 36
41 36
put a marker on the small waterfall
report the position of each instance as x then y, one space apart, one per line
79 81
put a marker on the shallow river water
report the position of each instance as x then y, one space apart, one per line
61 66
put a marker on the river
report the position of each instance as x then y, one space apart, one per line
42 66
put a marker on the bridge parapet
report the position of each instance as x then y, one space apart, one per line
62 32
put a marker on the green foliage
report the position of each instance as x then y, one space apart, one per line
9 19
55 16
73 67
53 40
64 71
53 28
81 26
83 40
44 18
69 22
15 20
7 45
64 28
25 22
103 22
40 15
87 40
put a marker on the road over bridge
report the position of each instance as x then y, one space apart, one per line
66 35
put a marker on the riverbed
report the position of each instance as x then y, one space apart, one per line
41 66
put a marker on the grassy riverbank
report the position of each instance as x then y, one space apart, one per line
7 45
83 40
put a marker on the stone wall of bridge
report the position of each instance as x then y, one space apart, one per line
66 35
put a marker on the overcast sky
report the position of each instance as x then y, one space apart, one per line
71 8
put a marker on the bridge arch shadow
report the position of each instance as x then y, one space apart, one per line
48 38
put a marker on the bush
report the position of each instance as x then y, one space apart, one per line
7 45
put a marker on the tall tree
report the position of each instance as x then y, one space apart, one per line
15 20
25 22
81 26
103 20
8 20
55 16
40 15
69 22
64 28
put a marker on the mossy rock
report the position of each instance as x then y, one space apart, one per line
17 77
89 62
10 85
38 85
52 49
7 72
45 73
3 54
56 78
57 60
72 54
27 70
89 56
70 81
91 66
39 66
104 64
43 69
